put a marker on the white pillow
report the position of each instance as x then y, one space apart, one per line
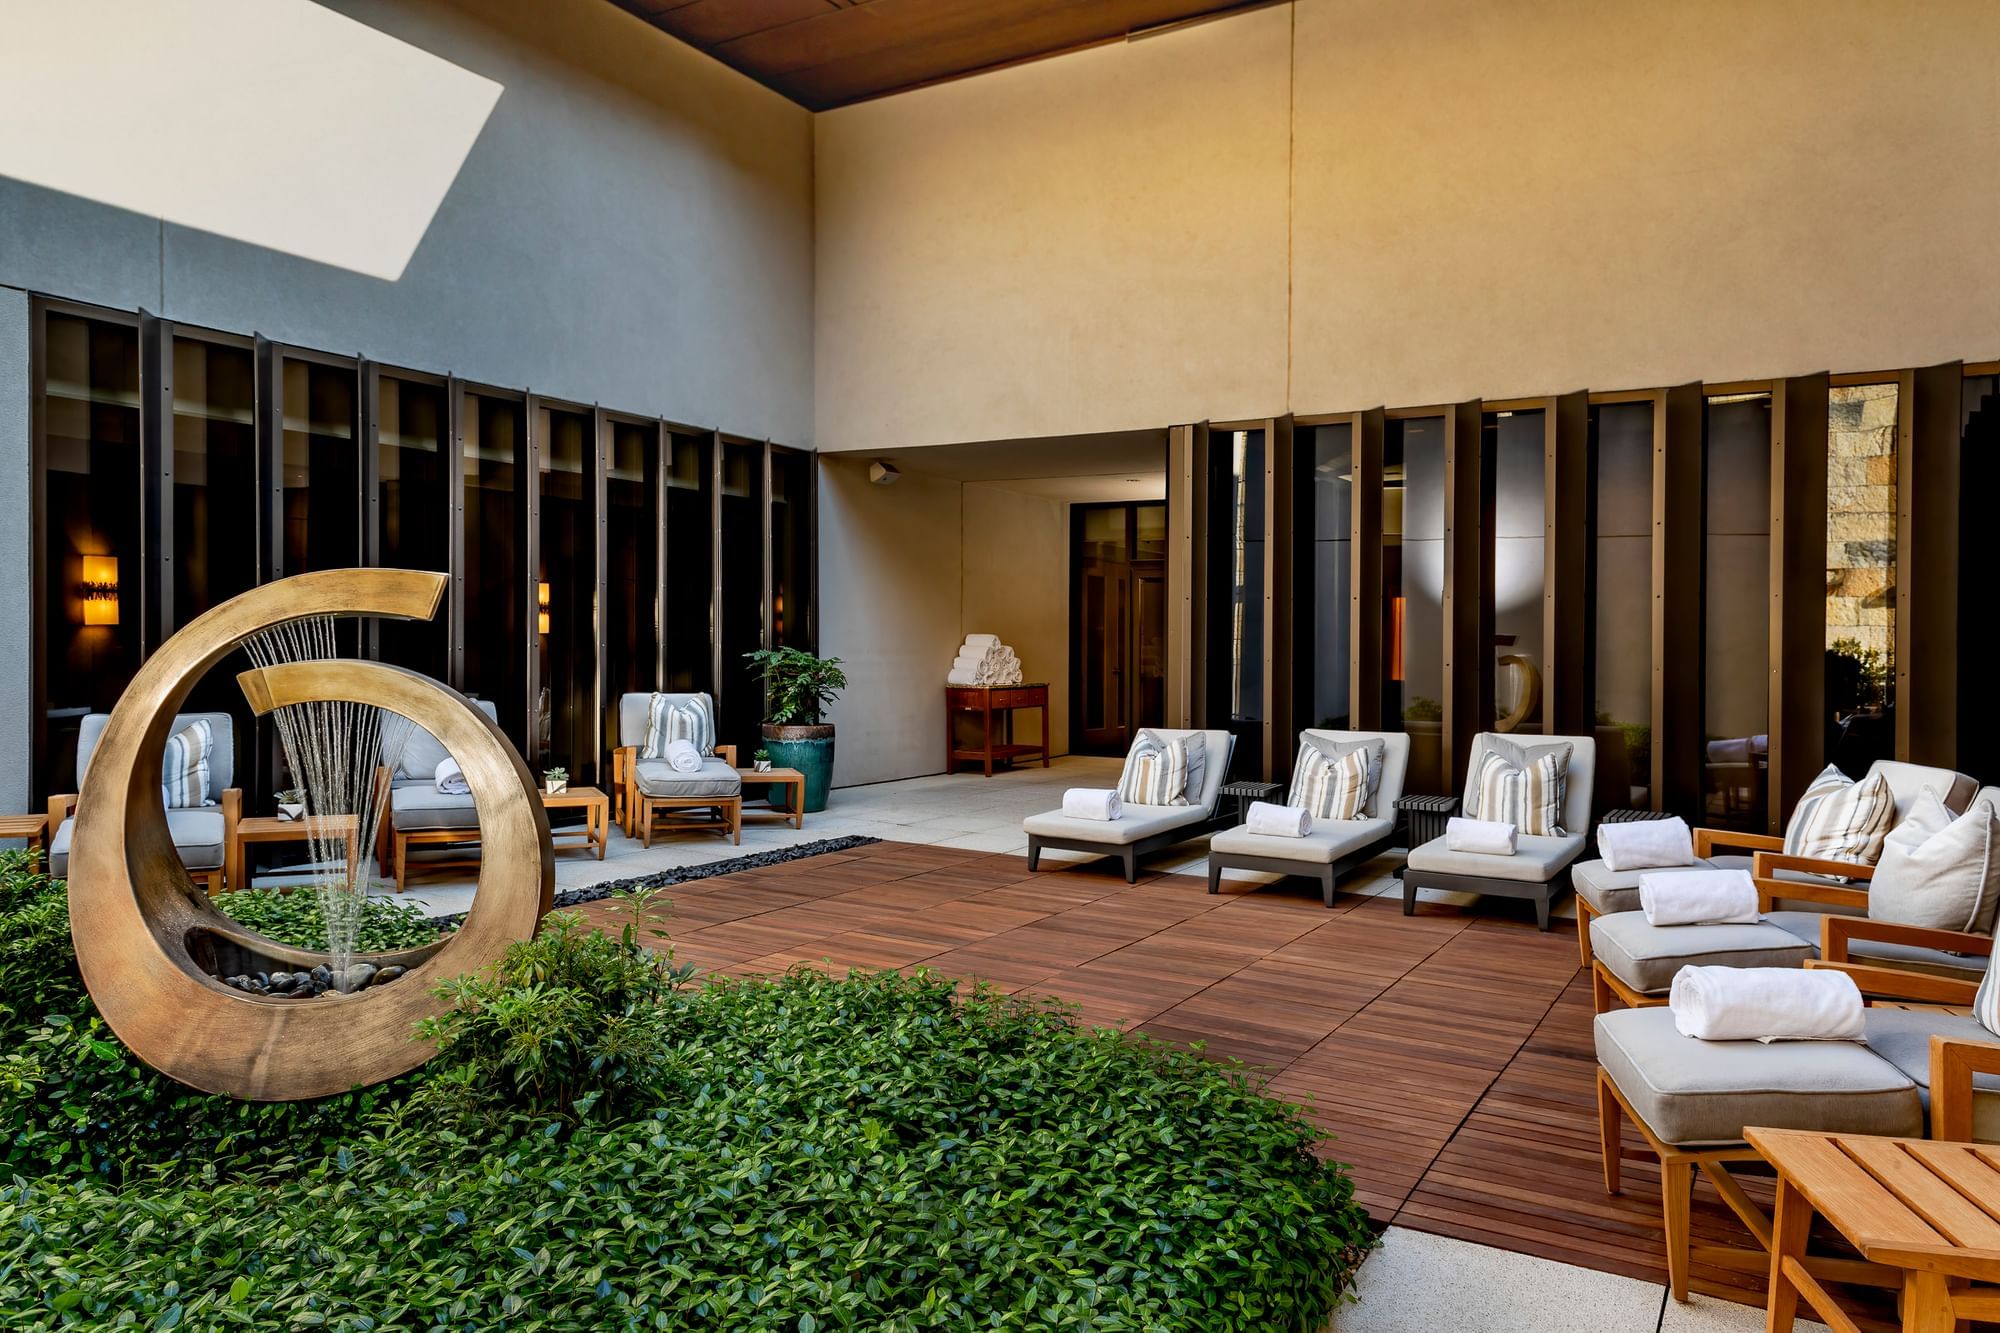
1841 820
1938 871
1156 771
1529 796
1335 779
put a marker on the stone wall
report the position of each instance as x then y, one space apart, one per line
1861 518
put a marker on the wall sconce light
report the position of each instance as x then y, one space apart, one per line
542 601
100 590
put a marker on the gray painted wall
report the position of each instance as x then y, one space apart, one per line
633 227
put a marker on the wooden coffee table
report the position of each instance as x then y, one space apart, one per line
259 829
1924 1209
794 783
596 807
34 829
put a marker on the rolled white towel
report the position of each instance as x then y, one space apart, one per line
1698 898
979 642
1277 821
1484 837
682 757
1092 803
1766 1004
1645 843
959 676
968 661
449 779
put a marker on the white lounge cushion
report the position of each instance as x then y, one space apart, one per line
198 836
1329 841
656 777
1139 822
1535 860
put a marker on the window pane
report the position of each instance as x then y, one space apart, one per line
1622 605
91 527
740 694
1520 460
495 650
1861 575
413 506
690 563
1413 594
1246 575
1737 610
214 553
566 597
322 468
791 549
1333 570
1979 463
632 548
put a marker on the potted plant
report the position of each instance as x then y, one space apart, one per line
761 761
291 803
798 686
555 781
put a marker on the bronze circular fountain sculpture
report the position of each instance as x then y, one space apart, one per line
143 931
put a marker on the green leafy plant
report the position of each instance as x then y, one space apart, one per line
1856 677
798 685
763 755
294 918
555 775
1423 708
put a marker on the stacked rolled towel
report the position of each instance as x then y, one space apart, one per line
1277 821
1092 803
682 757
1483 837
449 779
1698 898
1765 1004
1645 843
983 660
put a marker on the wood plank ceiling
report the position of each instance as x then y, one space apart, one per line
827 53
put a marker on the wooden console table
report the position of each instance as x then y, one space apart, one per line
985 702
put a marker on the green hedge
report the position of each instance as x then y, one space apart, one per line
875 1153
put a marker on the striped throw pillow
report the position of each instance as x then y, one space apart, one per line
184 777
1840 820
667 720
1529 797
1335 781
1156 771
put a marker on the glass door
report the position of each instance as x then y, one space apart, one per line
1118 623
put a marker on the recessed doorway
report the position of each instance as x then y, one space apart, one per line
1118 611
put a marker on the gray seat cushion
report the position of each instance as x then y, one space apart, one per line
1646 957
198 836
1137 823
1962 967
418 753
657 777
1608 890
1693 1092
1535 860
420 805
1903 1038
1732 861
1329 841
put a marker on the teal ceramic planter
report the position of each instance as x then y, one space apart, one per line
810 751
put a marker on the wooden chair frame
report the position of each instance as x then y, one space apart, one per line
1953 1065
636 813
228 875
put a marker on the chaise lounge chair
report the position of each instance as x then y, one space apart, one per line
1144 829
1539 868
649 789
203 830
1692 1100
1334 846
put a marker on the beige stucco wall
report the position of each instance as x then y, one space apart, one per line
1330 204
1016 585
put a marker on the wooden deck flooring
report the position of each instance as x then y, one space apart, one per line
1447 1055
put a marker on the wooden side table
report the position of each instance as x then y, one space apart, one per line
263 829
794 783
986 702
596 807
32 829
1922 1207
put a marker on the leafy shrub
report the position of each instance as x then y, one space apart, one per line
568 1023
294 918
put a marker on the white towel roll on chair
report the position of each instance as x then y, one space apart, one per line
682 757
1698 898
1277 821
1482 837
1644 844
449 779
1766 1004
1100 803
